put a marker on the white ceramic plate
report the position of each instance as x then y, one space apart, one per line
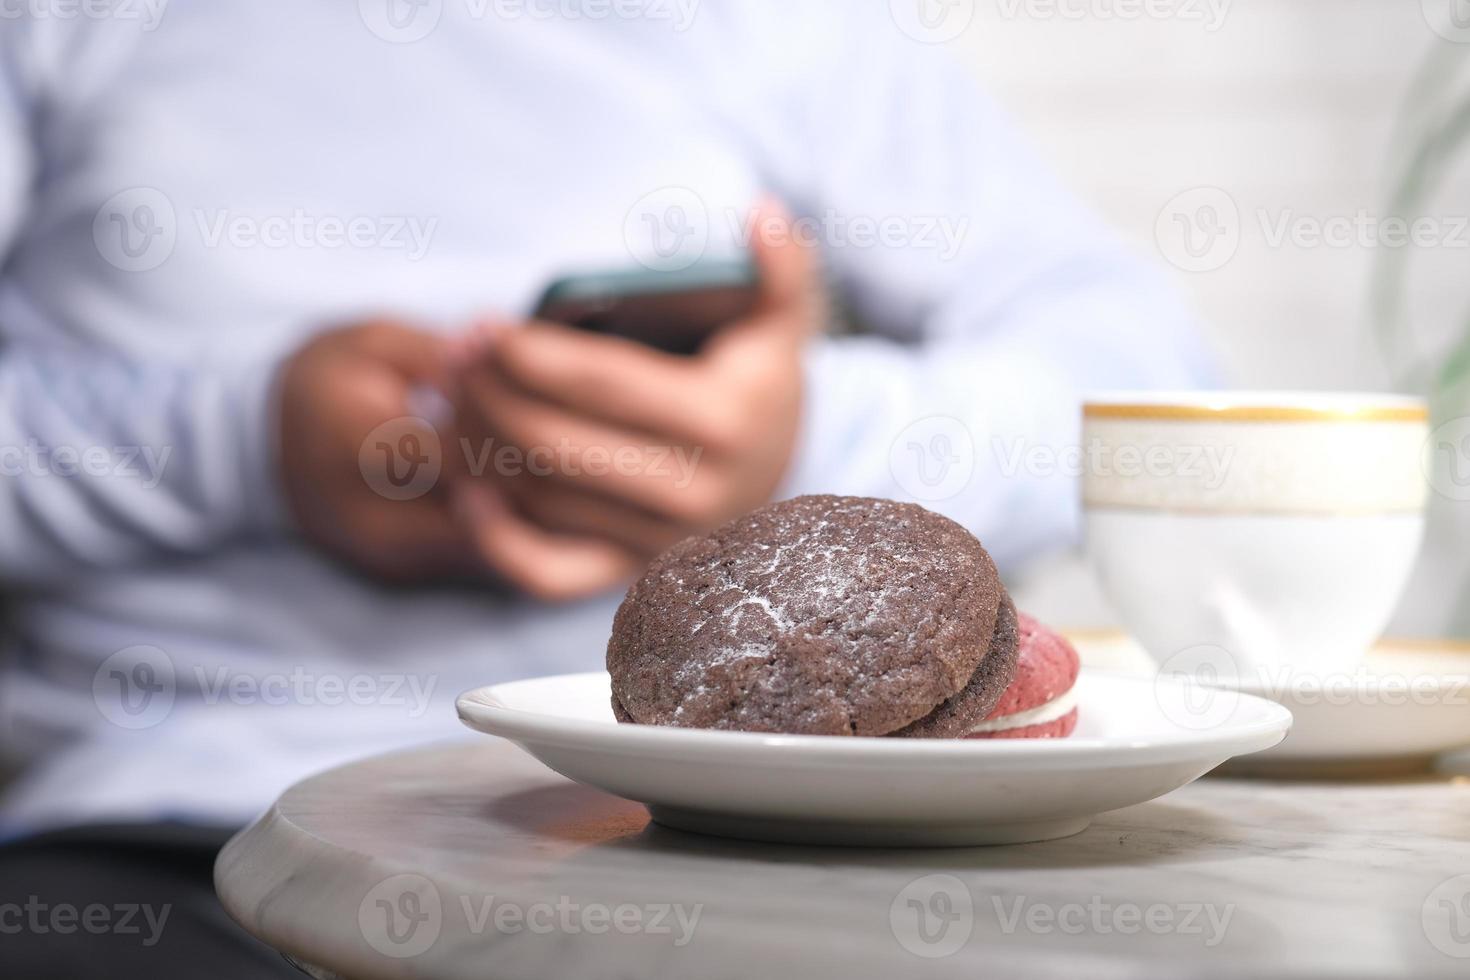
1407 702
878 791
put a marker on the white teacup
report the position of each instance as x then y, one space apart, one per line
1254 531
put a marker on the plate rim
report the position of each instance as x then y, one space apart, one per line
478 712
1388 646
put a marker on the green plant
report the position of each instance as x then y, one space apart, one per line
1430 139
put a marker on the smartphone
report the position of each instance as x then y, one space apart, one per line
674 311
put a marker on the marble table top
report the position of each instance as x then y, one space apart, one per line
471 860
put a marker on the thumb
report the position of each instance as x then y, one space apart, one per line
418 356
786 264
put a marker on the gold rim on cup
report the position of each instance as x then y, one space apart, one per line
1254 413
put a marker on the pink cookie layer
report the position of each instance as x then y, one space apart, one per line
1046 668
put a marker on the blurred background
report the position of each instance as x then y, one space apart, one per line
1281 134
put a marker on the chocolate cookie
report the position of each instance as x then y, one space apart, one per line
817 615
976 700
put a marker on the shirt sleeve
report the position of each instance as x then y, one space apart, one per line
995 300
106 462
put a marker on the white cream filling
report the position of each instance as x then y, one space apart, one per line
1056 708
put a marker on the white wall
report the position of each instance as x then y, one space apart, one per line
1290 108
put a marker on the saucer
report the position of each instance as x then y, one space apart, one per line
1407 702
1128 748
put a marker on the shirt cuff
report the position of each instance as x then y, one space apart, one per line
253 392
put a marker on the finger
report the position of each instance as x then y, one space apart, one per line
612 378
674 480
415 354
566 509
408 540
547 434
791 306
787 264
549 566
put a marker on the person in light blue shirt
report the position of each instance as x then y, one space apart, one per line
247 244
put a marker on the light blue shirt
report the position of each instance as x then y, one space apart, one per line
189 190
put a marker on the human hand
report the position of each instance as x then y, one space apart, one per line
639 448
336 396
348 395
